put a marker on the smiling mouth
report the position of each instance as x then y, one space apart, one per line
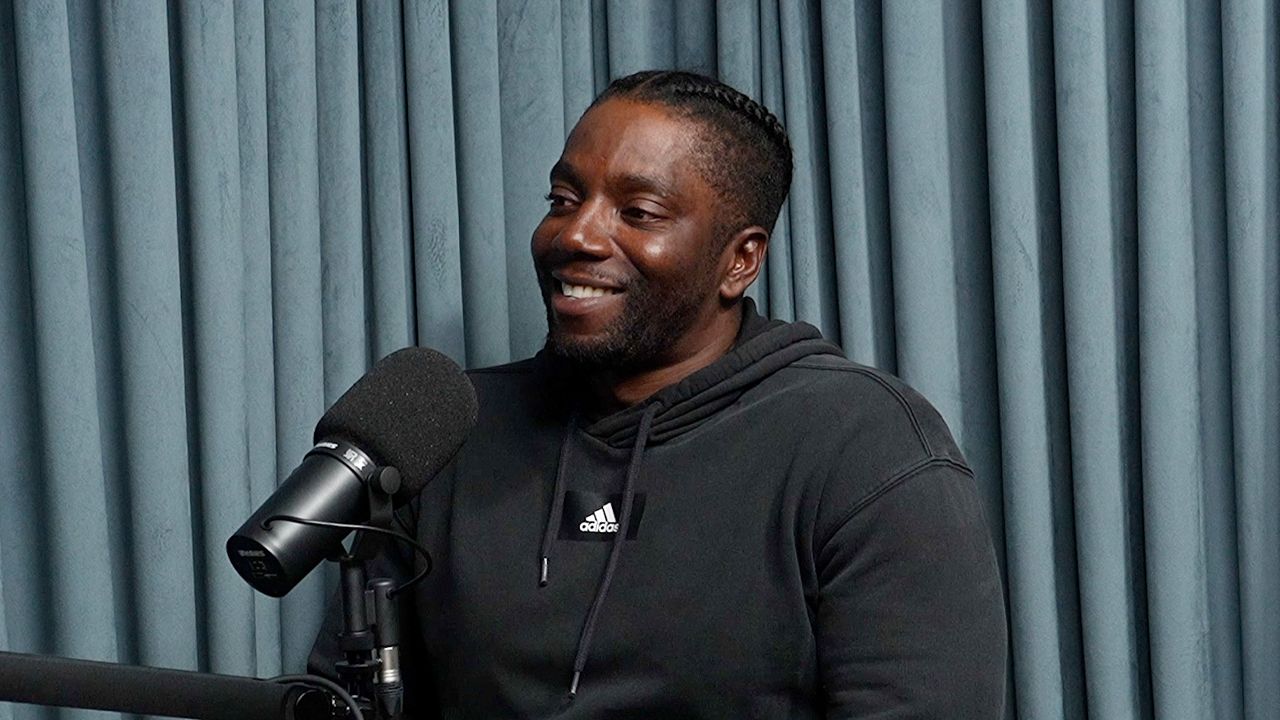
583 291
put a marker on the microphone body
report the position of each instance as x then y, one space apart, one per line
329 485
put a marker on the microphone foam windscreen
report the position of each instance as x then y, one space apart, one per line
412 410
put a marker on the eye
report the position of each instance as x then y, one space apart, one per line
637 213
559 201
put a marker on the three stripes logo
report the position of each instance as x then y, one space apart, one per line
601 521
596 517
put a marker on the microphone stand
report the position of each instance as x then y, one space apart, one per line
371 628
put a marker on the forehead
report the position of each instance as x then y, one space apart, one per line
620 139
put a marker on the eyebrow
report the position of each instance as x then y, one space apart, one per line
564 171
645 183
629 182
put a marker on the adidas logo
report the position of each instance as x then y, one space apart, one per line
601 521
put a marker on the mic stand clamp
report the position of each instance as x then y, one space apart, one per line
370 639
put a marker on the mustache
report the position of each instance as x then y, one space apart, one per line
546 278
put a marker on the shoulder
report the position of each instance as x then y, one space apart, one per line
872 409
872 430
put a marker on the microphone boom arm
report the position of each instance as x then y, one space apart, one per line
93 685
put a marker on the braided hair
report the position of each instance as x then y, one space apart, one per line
744 152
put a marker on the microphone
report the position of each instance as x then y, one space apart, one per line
397 426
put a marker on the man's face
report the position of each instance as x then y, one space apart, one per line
627 254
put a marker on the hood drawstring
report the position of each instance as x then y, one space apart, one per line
557 501
624 524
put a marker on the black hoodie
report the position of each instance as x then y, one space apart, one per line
803 539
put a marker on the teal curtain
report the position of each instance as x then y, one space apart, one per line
1060 221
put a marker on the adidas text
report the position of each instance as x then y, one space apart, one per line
601 521
594 526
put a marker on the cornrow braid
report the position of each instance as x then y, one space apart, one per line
745 153
738 102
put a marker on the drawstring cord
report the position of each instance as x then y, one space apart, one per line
624 523
557 501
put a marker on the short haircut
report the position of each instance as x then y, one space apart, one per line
745 154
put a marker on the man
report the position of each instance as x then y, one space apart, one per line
679 509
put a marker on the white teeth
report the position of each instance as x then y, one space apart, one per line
584 291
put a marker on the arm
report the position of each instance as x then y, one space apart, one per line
910 615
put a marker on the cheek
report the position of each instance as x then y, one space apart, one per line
543 235
677 253
656 254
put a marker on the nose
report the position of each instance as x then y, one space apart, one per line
586 233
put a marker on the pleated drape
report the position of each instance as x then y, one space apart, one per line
1250 88
1060 221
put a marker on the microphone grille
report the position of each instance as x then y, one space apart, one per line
412 410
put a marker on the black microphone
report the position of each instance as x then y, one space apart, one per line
411 412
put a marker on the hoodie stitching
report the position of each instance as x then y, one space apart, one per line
902 400
885 487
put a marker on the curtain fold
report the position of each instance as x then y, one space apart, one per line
216 365
58 544
1093 69
386 177
1252 197
1190 521
437 236
1059 221
1026 249
859 186
150 433
481 205
530 57
342 182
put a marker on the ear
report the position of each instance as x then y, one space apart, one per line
744 256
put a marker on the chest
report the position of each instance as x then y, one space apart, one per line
713 591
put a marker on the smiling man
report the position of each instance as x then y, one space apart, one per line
680 509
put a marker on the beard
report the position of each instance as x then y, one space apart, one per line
653 318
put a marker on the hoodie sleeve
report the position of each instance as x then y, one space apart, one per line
910 612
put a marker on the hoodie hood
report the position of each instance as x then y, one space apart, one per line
763 347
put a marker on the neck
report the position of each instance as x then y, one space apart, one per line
615 391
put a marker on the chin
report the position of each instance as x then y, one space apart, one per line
591 352
578 347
